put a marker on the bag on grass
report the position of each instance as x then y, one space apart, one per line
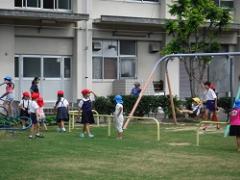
227 130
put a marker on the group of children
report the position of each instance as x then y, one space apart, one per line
209 107
31 106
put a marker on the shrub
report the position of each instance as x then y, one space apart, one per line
50 119
225 103
105 105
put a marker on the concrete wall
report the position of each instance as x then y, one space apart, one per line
48 46
146 61
6 53
236 11
174 76
7 4
127 8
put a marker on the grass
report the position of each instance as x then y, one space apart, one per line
138 156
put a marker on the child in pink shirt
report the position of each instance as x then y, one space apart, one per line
235 122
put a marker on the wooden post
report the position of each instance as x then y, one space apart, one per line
171 98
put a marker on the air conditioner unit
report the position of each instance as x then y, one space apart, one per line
154 47
96 46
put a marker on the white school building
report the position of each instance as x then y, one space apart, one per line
103 45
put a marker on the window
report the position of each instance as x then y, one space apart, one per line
97 67
67 67
148 0
43 66
16 66
110 68
127 67
48 4
18 3
114 59
127 48
229 4
52 67
31 67
64 4
44 4
33 3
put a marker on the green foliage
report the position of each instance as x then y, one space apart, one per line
192 16
196 28
105 105
225 103
51 119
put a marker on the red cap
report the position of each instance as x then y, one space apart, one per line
35 95
26 94
60 92
86 91
40 102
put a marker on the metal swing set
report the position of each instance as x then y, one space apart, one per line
166 59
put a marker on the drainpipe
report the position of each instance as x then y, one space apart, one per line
87 3
231 77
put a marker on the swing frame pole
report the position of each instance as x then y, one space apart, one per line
171 95
166 59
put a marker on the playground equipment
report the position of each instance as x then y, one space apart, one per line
166 59
74 114
204 123
109 119
13 124
9 123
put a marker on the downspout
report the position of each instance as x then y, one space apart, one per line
87 47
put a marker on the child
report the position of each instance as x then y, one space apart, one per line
235 123
34 87
136 90
24 108
195 109
119 116
87 116
41 115
8 94
33 115
210 102
62 111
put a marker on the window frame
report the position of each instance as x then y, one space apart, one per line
140 1
62 66
55 8
118 57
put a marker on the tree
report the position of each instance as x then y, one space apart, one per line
196 27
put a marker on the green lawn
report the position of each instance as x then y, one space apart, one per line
138 156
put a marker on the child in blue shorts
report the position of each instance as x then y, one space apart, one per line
209 101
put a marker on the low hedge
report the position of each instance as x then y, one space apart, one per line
105 105
225 103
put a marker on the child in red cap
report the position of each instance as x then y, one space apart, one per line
41 115
85 105
62 111
33 115
24 107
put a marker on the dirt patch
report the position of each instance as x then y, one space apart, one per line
178 129
180 144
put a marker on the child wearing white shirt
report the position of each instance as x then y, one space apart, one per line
62 111
33 115
119 116
24 108
210 102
